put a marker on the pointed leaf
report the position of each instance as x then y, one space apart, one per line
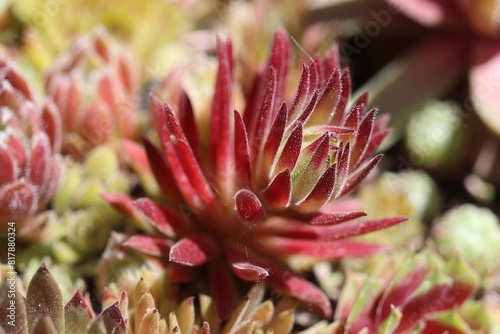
301 289
164 118
150 323
291 151
194 250
155 245
164 219
163 173
241 152
77 315
320 194
221 146
363 138
336 218
188 123
321 249
39 167
44 298
186 315
278 193
359 175
113 320
273 140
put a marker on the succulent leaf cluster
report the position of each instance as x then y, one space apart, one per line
30 139
260 188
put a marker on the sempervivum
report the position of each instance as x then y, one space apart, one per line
30 138
409 293
95 87
259 189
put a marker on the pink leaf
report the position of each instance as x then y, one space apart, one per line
399 293
221 146
484 80
194 250
155 245
137 155
40 162
438 298
279 60
52 125
278 193
242 266
336 218
121 202
248 207
301 289
167 221
321 249
16 149
8 171
17 201
249 272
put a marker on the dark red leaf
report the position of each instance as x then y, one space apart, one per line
360 174
277 195
248 207
222 289
241 153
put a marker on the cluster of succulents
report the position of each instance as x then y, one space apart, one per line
215 167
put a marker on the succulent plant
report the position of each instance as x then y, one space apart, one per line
434 135
95 85
265 191
471 234
80 222
30 139
406 293
44 311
